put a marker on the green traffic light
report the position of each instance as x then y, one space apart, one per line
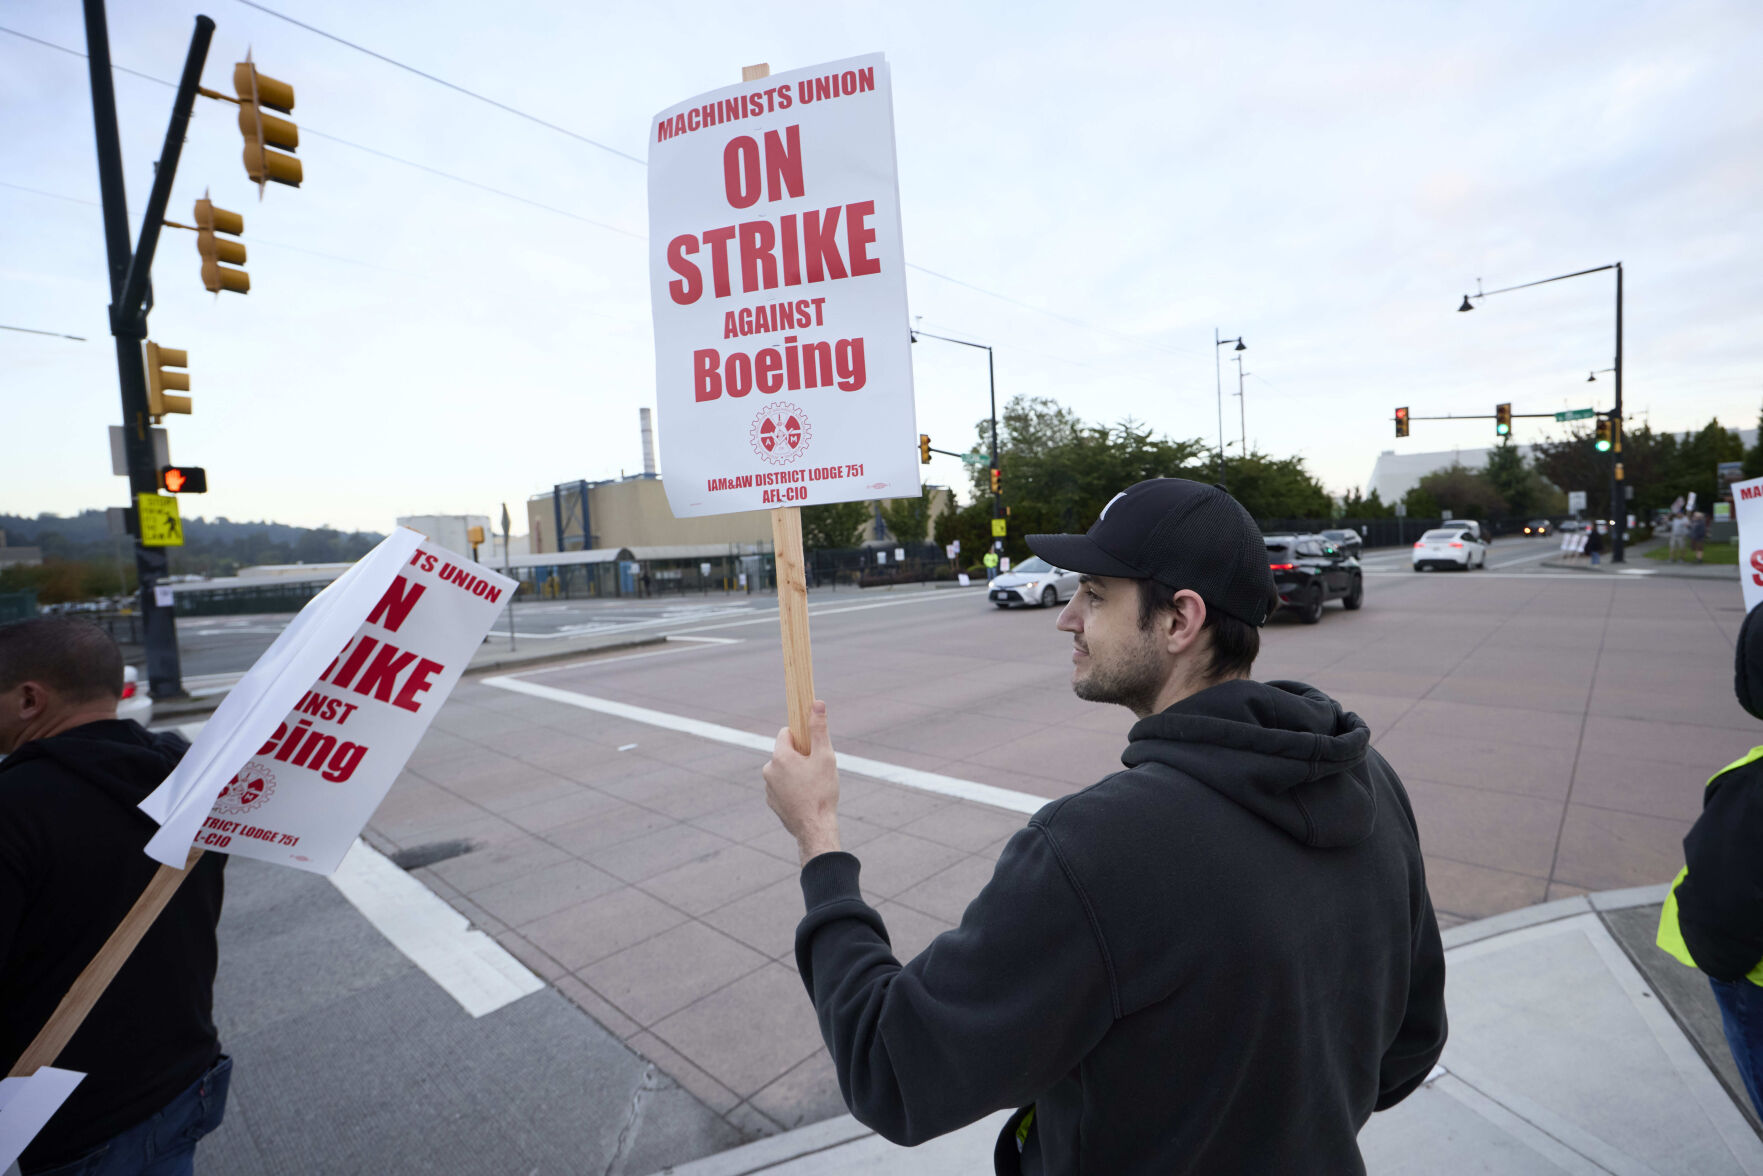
1502 430
1601 445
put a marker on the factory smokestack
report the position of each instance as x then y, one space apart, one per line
648 443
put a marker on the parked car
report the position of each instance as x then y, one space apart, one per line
1347 540
1569 526
1309 571
1538 527
1450 546
136 703
1033 581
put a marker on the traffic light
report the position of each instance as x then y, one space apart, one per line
159 380
997 480
218 253
184 479
1503 419
265 131
1602 440
924 448
1401 422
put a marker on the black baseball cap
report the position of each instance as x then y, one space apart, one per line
1181 534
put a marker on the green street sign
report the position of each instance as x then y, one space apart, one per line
975 459
1577 414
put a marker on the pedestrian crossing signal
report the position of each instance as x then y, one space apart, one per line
184 479
1401 422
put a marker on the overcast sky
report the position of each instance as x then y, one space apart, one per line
1325 180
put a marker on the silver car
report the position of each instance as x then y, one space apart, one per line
1033 581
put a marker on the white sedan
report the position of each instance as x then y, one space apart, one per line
1033 581
135 702
1450 547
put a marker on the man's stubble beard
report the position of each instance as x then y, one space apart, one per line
1133 680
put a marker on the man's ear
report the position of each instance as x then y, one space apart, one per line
1183 623
33 700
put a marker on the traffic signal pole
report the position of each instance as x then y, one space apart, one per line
131 300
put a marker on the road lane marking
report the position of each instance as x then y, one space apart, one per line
606 661
953 786
474 969
771 614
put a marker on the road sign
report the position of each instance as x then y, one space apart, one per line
159 521
1576 501
998 528
1401 510
1577 414
975 459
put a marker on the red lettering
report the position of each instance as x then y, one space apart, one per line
859 237
689 286
707 374
818 229
394 607
768 370
352 665
419 682
740 171
757 242
717 240
382 675
783 163
1757 567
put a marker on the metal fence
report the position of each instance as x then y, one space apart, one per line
17 606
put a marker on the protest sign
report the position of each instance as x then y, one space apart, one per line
27 1103
327 717
304 748
783 373
1747 498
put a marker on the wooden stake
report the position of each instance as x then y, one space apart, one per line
792 613
90 984
792 584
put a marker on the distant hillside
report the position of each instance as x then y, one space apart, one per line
213 547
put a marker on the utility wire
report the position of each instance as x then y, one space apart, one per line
1029 306
34 331
441 81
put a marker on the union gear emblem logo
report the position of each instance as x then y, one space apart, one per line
781 433
247 791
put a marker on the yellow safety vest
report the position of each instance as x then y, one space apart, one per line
1670 933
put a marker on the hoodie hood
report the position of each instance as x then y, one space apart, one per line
1283 750
120 757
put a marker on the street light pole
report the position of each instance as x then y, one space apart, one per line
1242 411
1218 377
1618 504
992 382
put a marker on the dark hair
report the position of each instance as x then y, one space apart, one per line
73 657
1235 644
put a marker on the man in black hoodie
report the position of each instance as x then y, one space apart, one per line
71 865
1220 960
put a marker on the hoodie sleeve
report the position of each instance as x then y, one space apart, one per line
990 1015
1720 903
1421 1039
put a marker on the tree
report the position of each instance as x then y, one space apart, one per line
908 519
1466 493
1278 488
1754 455
833 525
1354 506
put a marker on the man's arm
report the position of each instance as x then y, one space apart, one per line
1421 1039
1720 903
989 1016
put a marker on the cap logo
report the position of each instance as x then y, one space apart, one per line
1111 503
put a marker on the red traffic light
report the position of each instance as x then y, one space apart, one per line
184 479
1401 422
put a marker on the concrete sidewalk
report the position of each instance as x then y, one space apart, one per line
1563 1059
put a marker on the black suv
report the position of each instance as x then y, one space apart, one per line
1309 571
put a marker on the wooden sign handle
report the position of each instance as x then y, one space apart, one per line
792 584
90 984
792 614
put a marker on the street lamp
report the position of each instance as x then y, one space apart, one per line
1617 503
992 380
1592 377
1242 411
1218 376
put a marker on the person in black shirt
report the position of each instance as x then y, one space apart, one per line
1220 960
71 865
